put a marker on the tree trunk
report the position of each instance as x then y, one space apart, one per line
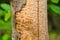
31 21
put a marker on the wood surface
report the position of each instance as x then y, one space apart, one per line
31 21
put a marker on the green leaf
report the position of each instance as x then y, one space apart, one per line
6 37
7 16
2 22
5 6
55 1
2 12
7 27
54 8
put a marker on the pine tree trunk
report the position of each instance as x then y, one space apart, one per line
31 21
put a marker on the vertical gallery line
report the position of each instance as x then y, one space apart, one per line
38 17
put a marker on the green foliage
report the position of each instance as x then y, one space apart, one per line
6 37
1 12
55 1
54 36
5 6
1 22
54 8
54 19
7 16
5 21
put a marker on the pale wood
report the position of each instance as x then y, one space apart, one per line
32 21
27 21
43 21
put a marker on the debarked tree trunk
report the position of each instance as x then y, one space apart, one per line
31 21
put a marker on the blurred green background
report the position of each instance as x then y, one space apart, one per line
53 8
5 20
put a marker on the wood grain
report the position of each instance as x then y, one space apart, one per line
27 21
32 21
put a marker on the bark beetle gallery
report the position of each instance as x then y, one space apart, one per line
31 20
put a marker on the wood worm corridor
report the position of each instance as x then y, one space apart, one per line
31 21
